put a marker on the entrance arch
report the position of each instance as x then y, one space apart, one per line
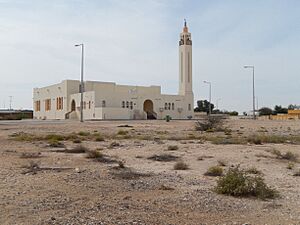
148 108
73 105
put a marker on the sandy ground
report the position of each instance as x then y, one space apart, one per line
80 190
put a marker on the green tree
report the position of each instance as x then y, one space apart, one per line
279 109
203 106
265 111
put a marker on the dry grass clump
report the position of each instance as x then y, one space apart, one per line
30 155
287 156
84 133
202 157
114 144
181 166
290 166
254 170
77 141
22 136
122 132
33 167
237 182
99 138
53 143
163 158
214 171
297 173
78 149
54 137
217 140
173 147
94 154
211 123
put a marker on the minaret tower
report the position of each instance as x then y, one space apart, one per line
185 62
185 69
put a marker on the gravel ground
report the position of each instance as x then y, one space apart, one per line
73 189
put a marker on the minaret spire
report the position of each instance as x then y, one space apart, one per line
185 23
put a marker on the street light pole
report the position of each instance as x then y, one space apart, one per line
253 91
209 106
81 81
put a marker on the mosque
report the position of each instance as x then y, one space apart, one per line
108 101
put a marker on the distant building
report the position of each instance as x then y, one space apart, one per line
291 115
106 100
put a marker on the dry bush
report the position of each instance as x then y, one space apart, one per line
181 166
287 156
290 166
163 158
53 143
297 173
33 167
122 132
99 139
78 149
30 155
202 157
214 171
253 170
77 141
94 154
172 148
22 136
84 133
211 123
237 182
54 137
114 144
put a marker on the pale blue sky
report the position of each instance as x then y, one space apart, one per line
136 42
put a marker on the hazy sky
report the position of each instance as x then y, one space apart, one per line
136 42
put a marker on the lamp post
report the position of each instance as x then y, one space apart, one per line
252 67
81 81
209 106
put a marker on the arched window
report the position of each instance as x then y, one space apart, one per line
127 104
166 106
89 104
131 105
173 106
169 106
123 104
103 103
190 107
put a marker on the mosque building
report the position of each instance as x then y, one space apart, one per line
107 100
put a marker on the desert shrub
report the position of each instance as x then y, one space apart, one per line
290 156
94 154
22 136
99 139
54 137
181 166
121 164
227 140
163 158
290 166
77 141
54 143
84 133
209 124
28 155
297 173
172 147
287 156
214 171
113 144
122 132
253 170
237 182
78 149
255 140
33 167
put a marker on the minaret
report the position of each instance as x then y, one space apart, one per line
185 62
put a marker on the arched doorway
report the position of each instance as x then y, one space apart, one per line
148 108
73 105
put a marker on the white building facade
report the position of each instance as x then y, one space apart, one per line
106 100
